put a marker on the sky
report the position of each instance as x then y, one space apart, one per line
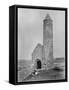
30 31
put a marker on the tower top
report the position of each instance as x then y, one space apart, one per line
48 17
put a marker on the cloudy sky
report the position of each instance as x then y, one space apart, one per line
30 31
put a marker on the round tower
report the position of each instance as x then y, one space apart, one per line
48 41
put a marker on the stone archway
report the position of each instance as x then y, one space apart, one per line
38 64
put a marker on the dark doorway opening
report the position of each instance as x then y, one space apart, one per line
38 64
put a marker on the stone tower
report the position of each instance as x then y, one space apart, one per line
48 41
42 55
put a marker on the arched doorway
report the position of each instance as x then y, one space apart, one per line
38 64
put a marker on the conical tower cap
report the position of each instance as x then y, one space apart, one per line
48 17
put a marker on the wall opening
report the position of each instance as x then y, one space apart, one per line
38 64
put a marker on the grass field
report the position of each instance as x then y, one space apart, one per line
25 70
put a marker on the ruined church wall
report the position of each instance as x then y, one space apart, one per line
37 54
